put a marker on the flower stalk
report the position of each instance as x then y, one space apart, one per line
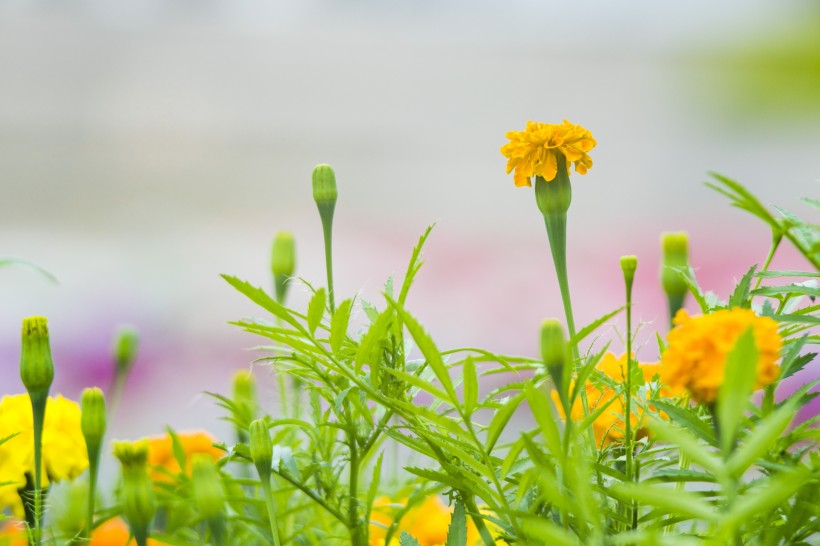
629 264
325 195
261 449
93 427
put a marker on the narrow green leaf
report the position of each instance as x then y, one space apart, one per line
429 350
592 326
5 262
774 274
685 417
375 480
338 325
738 382
667 499
414 266
500 419
316 309
470 386
772 495
763 438
407 540
687 274
742 198
543 416
368 351
788 289
546 532
686 443
457 532
261 298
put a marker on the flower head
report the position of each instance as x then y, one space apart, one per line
535 150
698 347
161 452
609 426
64 451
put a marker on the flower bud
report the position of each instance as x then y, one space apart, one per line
261 448
244 388
554 196
36 365
675 255
209 494
125 349
554 350
92 421
138 501
324 186
283 262
629 264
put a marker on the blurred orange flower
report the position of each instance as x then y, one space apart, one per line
161 452
698 347
113 532
609 426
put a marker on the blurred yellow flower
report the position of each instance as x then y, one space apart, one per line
113 532
64 453
698 347
534 151
161 452
427 522
609 426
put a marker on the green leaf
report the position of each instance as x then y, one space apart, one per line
686 443
687 275
457 533
667 499
685 417
540 408
407 540
316 309
375 480
429 350
740 296
414 266
592 326
338 325
500 419
738 382
369 349
547 532
743 199
5 262
773 274
768 497
470 386
261 298
763 438
788 289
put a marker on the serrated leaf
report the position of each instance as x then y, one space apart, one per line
369 349
261 298
669 500
776 492
773 274
543 416
338 325
414 265
739 379
592 326
684 417
762 438
316 309
375 480
686 443
740 296
407 540
788 289
457 532
743 199
687 275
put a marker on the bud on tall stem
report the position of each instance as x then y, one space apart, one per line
138 502
325 194
283 263
93 426
675 247
261 449
37 373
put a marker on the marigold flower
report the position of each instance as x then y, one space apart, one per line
161 452
609 426
64 452
427 522
534 151
698 347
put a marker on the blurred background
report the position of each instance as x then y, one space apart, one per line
148 146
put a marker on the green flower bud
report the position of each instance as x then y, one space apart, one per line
324 186
36 365
629 264
209 494
554 351
137 495
675 255
244 388
261 448
125 349
92 421
554 196
283 262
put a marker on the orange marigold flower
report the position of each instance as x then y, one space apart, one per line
427 522
113 532
534 151
698 347
161 452
609 426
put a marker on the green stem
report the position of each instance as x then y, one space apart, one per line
481 527
557 233
327 229
358 534
93 469
38 410
630 441
776 238
675 303
274 528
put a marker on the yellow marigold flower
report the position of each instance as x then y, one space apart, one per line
698 347
609 426
534 151
64 453
427 522
161 452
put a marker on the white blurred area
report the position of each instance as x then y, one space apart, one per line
147 146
